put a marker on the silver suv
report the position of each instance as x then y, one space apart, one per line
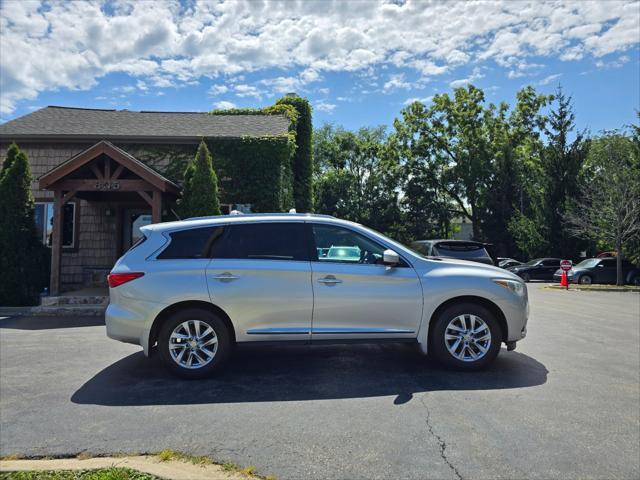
197 287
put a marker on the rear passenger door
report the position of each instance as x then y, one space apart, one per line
260 274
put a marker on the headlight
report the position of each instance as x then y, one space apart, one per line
515 286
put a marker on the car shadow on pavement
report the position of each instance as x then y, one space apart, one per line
52 322
295 373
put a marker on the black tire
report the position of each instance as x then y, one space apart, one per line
438 347
585 280
220 329
526 277
635 280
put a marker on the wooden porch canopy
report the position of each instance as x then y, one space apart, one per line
102 172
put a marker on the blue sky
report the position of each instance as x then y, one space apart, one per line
358 62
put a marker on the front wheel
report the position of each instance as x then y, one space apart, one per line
194 343
526 277
466 337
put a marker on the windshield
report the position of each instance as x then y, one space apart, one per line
532 262
588 263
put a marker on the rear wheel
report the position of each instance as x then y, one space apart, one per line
466 336
194 343
585 280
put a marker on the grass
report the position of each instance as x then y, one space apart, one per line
99 474
125 473
250 471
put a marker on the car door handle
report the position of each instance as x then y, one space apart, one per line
226 277
329 280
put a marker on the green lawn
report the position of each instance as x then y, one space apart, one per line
100 474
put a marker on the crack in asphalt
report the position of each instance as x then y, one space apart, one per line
441 443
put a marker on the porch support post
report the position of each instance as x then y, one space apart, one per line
56 243
156 207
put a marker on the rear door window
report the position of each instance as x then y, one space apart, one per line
264 241
192 243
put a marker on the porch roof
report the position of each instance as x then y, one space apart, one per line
128 161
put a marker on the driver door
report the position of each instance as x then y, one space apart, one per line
355 296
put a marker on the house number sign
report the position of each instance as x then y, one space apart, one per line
107 185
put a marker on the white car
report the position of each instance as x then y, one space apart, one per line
197 287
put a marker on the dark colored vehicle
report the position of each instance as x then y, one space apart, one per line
460 249
537 269
508 262
600 270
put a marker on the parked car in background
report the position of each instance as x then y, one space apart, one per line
197 287
600 270
462 249
508 262
537 269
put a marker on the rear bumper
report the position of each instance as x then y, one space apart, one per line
132 323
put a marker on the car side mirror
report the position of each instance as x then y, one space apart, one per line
390 258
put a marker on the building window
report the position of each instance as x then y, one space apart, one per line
43 216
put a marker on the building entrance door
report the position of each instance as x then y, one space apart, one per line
134 219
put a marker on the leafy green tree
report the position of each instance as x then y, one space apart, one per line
356 179
24 260
561 163
470 152
200 186
608 205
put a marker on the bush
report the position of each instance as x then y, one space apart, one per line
24 260
200 189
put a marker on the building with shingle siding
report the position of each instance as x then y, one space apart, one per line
112 171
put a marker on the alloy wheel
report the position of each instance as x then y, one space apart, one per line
585 280
193 344
467 338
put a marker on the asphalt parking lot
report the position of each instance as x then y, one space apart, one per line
565 404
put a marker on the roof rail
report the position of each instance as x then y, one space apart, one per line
276 214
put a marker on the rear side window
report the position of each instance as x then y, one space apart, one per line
264 241
609 262
192 243
460 251
554 262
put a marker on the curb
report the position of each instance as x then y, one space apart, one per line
171 469
586 288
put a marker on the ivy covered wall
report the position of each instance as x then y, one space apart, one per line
272 173
255 170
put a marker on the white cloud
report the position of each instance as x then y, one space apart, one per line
618 63
243 90
475 75
549 79
409 101
396 82
217 89
72 45
325 107
224 105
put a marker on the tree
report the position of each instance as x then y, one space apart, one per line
200 186
24 260
608 205
561 163
356 179
469 154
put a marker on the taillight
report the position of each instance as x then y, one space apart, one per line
115 279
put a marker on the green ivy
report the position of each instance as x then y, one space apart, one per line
303 156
